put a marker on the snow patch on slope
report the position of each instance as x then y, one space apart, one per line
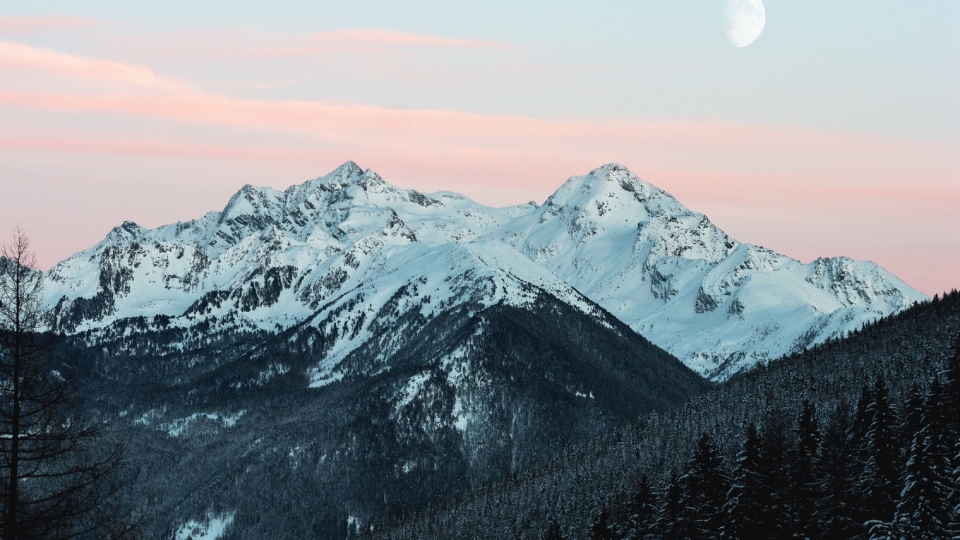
211 528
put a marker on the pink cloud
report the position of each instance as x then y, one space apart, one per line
11 25
259 45
365 124
488 150
173 99
125 146
24 57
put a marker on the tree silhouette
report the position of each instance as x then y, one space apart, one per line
640 511
749 498
881 474
553 532
602 529
705 489
803 487
923 506
55 473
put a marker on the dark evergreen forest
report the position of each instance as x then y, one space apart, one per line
854 438
227 425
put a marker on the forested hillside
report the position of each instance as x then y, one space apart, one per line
855 438
224 429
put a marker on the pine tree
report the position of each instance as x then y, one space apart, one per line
640 511
923 510
776 451
837 512
553 532
745 511
602 529
670 524
803 486
880 479
951 415
56 472
705 488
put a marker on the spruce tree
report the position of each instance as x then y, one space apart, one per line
952 390
913 416
745 511
602 528
880 451
837 513
776 450
803 485
863 416
951 415
640 511
954 527
553 532
922 511
670 524
705 488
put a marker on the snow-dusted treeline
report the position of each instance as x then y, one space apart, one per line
856 438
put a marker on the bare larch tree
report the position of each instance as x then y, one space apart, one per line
55 469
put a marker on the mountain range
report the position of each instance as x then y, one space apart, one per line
350 255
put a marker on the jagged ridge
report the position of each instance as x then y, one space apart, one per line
271 259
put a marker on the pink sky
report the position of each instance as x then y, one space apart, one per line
87 142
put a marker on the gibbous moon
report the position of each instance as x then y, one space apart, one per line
745 20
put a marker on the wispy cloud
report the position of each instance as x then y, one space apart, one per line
146 146
16 25
17 56
365 124
144 93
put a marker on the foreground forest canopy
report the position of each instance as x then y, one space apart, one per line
856 438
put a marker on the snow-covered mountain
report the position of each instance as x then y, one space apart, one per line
341 251
674 277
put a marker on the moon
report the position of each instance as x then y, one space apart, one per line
744 20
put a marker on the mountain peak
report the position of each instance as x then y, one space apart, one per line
122 234
349 168
612 191
252 201
346 174
630 182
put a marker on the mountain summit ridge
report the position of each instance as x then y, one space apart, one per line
272 257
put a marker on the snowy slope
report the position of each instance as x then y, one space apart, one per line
674 277
339 249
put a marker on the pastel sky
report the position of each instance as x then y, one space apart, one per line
837 132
